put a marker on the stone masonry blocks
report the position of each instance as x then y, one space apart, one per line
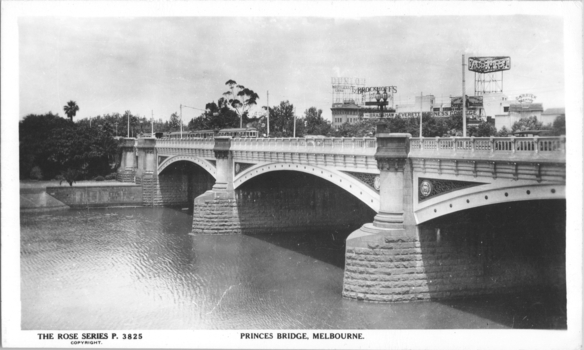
397 270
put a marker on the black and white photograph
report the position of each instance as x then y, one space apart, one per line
344 175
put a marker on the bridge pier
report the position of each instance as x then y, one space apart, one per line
146 174
215 211
386 247
146 152
127 169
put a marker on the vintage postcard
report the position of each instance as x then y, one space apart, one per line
278 174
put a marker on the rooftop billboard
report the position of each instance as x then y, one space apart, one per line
471 102
489 64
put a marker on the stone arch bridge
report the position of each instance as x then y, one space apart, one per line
406 183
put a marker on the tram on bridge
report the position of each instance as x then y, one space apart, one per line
209 134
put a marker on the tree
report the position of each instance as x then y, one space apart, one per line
503 132
559 125
431 126
175 122
69 175
240 99
282 121
454 123
198 123
484 129
217 116
315 124
34 132
71 109
529 123
56 145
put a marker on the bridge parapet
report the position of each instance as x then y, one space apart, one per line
186 143
541 149
328 145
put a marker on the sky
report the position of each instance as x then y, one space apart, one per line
152 65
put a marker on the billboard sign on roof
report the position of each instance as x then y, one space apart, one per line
471 102
489 64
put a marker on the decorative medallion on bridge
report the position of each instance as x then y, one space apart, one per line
161 159
371 180
429 188
426 188
239 167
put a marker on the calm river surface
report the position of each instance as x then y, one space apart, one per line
137 268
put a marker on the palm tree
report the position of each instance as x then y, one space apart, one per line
71 109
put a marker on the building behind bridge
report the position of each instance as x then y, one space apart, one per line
496 108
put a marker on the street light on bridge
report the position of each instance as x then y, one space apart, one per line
379 96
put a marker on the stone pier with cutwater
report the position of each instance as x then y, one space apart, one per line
424 211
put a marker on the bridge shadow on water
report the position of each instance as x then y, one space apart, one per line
518 250
327 246
507 242
542 308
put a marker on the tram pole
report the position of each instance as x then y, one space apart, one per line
421 111
463 101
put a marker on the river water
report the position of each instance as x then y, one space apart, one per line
137 268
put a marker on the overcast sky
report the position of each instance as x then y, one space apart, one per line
110 65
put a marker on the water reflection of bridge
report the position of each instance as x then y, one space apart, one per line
407 184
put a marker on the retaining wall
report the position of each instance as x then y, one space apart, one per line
97 196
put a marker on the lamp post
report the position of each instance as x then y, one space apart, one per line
180 121
267 116
379 97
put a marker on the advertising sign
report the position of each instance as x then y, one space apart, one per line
342 89
527 98
489 64
345 81
471 102
388 89
368 115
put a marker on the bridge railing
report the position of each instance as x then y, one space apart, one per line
341 145
549 148
201 143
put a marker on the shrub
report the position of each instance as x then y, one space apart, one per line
70 175
99 178
60 178
111 176
36 173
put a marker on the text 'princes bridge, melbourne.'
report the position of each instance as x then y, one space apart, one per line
433 218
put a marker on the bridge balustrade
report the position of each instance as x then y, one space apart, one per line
353 146
549 148
204 143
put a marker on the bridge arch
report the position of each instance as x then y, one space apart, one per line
203 163
358 189
485 195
